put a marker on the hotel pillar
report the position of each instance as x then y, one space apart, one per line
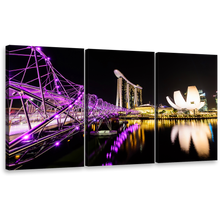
119 92
127 96
135 97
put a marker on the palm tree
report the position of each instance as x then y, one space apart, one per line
175 111
163 112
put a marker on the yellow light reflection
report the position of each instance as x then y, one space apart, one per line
139 133
135 138
186 130
131 141
142 136
126 144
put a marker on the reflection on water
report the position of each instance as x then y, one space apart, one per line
138 141
200 133
124 138
177 140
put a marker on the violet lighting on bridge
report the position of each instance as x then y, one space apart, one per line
26 137
57 143
52 102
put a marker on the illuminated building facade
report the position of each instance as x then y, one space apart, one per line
216 99
146 108
150 109
203 99
128 94
192 101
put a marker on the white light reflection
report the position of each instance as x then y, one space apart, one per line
199 132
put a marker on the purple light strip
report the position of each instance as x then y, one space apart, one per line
119 141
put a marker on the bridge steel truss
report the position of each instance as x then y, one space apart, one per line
51 107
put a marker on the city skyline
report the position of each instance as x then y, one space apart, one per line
177 70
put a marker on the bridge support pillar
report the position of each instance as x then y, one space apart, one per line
40 84
135 97
127 97
25 110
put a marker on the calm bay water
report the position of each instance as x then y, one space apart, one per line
177 142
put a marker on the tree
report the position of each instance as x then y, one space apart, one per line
174 110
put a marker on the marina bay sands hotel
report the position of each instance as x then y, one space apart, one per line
128 94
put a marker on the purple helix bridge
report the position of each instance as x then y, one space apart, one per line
43 108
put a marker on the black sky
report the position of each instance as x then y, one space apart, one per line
177 70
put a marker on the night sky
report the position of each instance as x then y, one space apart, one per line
177 70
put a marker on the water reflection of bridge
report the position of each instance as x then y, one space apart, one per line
181 133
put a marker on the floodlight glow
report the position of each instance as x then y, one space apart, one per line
57 143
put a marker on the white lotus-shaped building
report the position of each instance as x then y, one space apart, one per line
192 100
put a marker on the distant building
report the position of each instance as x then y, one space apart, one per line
216 99
150 109
145 109
203 99
165 108
128 94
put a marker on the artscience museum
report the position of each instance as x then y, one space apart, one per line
192 101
